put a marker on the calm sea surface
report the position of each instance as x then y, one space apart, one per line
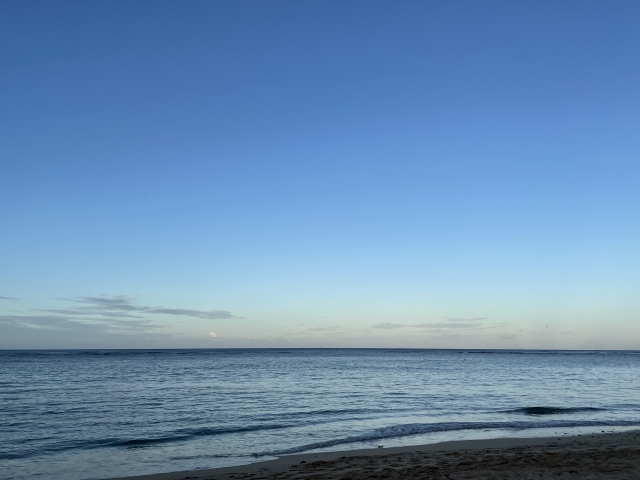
100 414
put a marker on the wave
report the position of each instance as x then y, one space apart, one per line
398 431
552 410
138 442
186 435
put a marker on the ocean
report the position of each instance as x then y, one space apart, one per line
99 414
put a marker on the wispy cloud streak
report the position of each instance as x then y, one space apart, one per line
102 314
448 323
123 306
55 322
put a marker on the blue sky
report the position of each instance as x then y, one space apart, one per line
379 174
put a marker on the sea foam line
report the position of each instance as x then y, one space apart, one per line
398 431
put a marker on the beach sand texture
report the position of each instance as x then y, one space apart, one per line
602 456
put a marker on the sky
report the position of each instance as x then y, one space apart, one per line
444 174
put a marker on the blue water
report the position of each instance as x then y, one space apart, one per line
99 414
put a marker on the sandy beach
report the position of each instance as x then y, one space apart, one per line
599 456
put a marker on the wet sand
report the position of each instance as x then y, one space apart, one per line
601 456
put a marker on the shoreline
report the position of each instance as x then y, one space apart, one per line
603 455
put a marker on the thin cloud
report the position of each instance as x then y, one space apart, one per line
78 311
123 306
55 322
54 331
97 319
390 326
475 319
448 323
324 329
209 314
328 330
8 298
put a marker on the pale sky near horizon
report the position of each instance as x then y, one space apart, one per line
447 174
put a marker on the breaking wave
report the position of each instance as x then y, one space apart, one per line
398 431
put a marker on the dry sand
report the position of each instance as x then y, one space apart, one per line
602 456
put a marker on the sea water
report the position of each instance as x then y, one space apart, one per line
107 413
